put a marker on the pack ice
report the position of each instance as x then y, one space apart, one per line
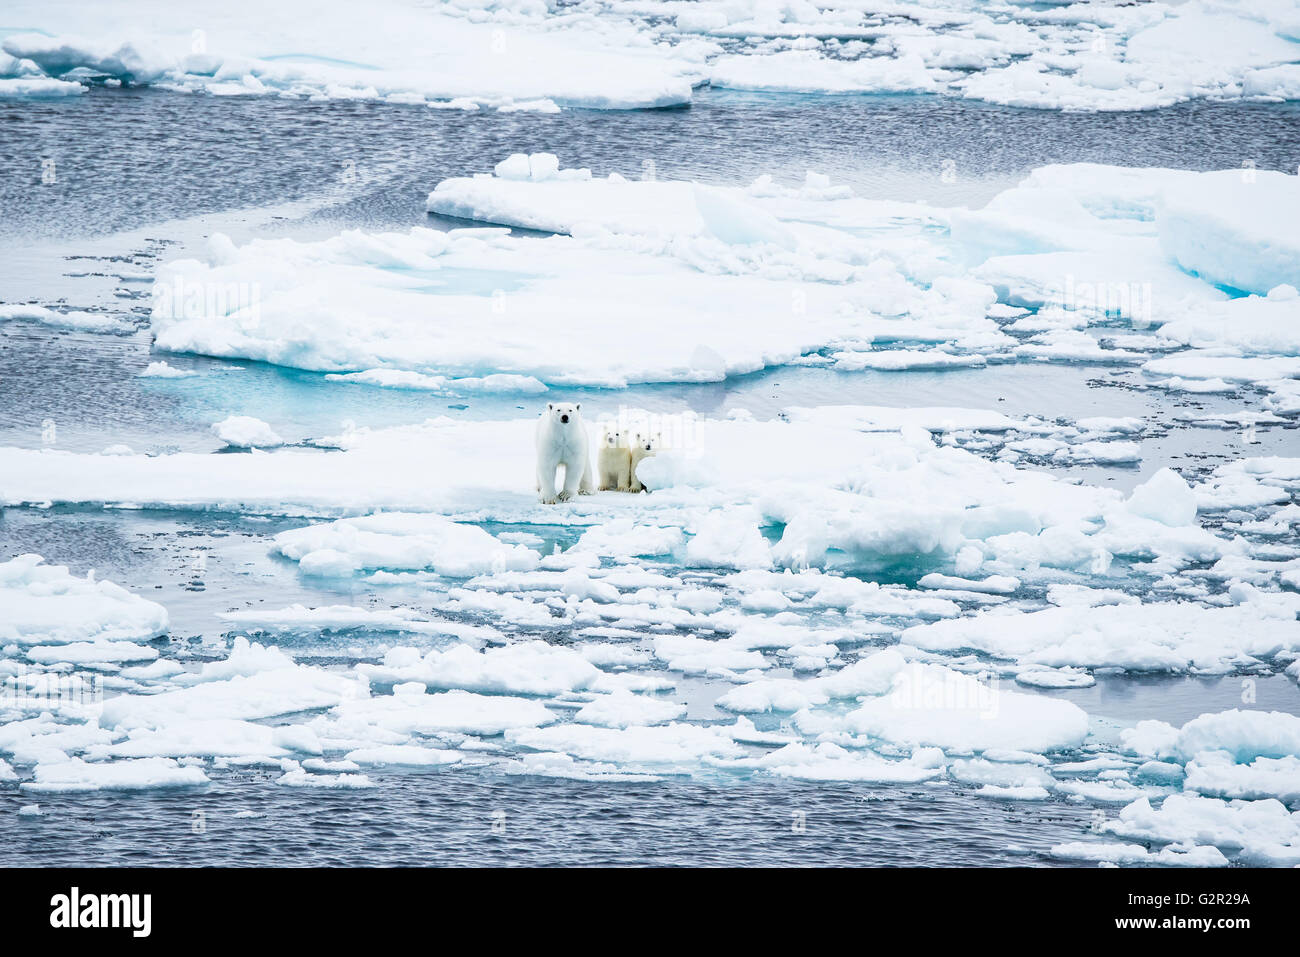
532 54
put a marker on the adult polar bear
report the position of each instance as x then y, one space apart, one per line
562 440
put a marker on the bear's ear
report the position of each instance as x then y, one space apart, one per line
578 407
550 406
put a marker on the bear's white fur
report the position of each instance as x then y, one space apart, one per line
614 463
643 447
562 441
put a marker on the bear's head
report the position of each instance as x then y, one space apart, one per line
613 439
564 413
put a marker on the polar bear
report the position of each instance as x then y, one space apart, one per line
643 447
614 463
562 441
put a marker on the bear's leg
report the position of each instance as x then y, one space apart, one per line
625 476
585 484
546 483
570 488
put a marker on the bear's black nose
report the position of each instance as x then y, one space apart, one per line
564 418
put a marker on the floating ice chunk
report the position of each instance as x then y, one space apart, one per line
994 584
700 18
405 379
1251 325
1214 774
1001 774
933 705
38 87
1151 738
43 739
81 321
805 71
871 675
246 658
1235 229
898 360
625 538
92 652
1025 792
246 432
608 654
676 744
544 105
1132 280
1102 791
515 166
206 737
1137 854
262 695
1055 678
569 202
1166 498
1246 735
365 317
693 655
830 762
729 539
530 667
745 732
413 755
296 777
623 709
6 772
296 737
552 765
543 166
1263 831
1127 425
1274 83
403 540
75 774
1198 386
298 619
161 370
1207 364
452 711
1163 636
45 604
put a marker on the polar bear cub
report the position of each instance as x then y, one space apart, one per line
562 441
643 447
614 463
